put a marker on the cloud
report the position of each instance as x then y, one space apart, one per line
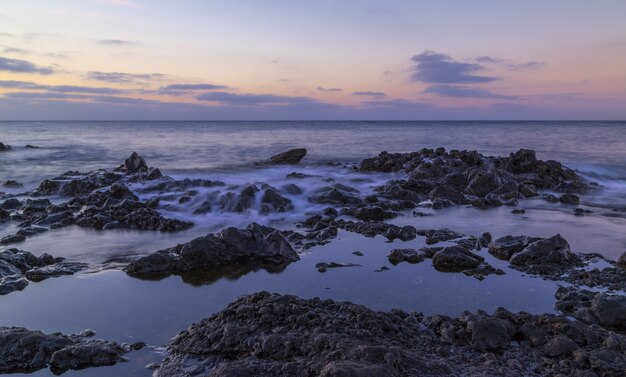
13 84
488 59
231 99
115 42
436 68
193 87
370 94
321 89
125 3
14 50
22 66
457 91
121 77
528 65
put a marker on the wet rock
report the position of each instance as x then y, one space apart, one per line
275 201
14 238
572 199
559 345
448 193
504 247
290 157
490 333
434 236
483 270
133 164
4 147
292 189
4 214
456 259
54 270
25 351
358 253
323 267
255 245
337 194
610 309
518 211
373 213
11 204
621 261
12 184
28 146
545 255
405 255
522 161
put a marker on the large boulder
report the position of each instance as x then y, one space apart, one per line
256 245
522 161
4 147
554 250
505 247
610 309
133 164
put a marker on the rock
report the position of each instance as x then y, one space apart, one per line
28 146
4 147
291 189
548 251
11 204
25 351
559 346
12 184
518 211
434 236
610 309
405 255
373 213
456 259
290 157
337 194
133 164
490 333
274 201
448 193
621 261
358 253
54 270
504 247
522 161
15 238
323 267
572 199
253 246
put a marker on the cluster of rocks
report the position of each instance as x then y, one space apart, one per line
4 147
282 335
593 308
256 246
467 177
290 157
18 267
99 200
26 351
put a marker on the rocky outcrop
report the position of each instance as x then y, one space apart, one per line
464 177
281 335
456 259
412 256
290 157
256 245
601 308
18 267
26 351
4 147
547 256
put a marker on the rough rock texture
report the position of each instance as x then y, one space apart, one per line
290 157
256 245
280 335
405 255
505 247
548 256
464 177
18 267
602 308
25 351
4 147
456 259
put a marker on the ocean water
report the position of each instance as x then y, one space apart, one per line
127 310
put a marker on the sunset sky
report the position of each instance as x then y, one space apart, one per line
323 59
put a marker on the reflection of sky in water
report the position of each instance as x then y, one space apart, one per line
128 310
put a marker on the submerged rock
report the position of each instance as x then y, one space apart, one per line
26 351
255 245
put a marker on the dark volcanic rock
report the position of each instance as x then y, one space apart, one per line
621 261
255 245
4 147
593 307
456 259
290 157
281 335
133 164
25 351
12 184
505 247
545 256
405 255
323 267
373 213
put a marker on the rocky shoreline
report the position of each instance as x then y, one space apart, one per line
281 335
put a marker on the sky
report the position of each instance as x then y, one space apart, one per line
313 59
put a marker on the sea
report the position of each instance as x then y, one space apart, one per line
127 310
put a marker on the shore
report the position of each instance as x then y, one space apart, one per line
263 334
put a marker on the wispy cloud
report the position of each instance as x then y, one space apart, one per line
321 89
121 76
15 50
115 42
457 91
14 84
125 3
528 65
22 66
247 99
436 68
370 94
